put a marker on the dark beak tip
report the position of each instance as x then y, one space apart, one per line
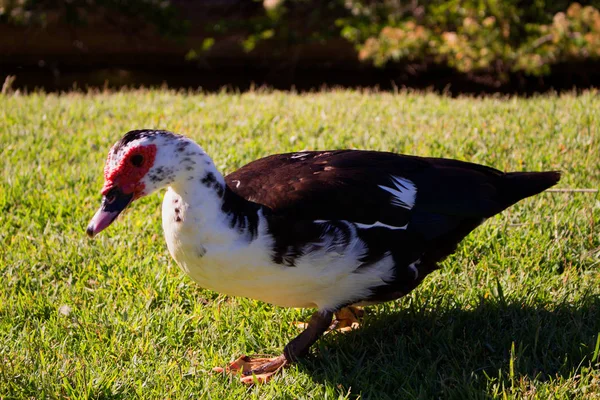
90 231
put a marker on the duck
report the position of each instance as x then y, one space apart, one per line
325 230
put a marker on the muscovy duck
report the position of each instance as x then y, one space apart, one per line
318 229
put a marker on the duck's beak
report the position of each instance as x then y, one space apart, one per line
113 202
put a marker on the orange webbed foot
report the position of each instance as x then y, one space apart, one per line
254 369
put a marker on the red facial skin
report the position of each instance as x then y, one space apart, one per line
125 174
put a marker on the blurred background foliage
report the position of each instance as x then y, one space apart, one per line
497 37
159 15
474 35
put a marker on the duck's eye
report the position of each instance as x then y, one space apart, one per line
137 160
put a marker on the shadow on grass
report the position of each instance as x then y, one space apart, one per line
458 353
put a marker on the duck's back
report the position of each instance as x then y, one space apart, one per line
368 186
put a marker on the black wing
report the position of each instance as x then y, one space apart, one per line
349 185
329 185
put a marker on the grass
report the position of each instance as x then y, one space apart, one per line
515 313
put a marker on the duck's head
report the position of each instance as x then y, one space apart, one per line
142 162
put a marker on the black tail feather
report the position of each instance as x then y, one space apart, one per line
519 185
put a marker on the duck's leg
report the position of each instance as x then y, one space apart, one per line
265 368
317 325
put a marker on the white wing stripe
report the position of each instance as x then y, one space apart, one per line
404 192
299 155
378 224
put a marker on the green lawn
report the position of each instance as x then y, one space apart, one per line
515 313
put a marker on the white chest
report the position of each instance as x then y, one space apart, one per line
222 259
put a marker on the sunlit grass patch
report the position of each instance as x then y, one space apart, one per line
515 312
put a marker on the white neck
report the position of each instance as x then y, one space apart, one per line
201 188
194 203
